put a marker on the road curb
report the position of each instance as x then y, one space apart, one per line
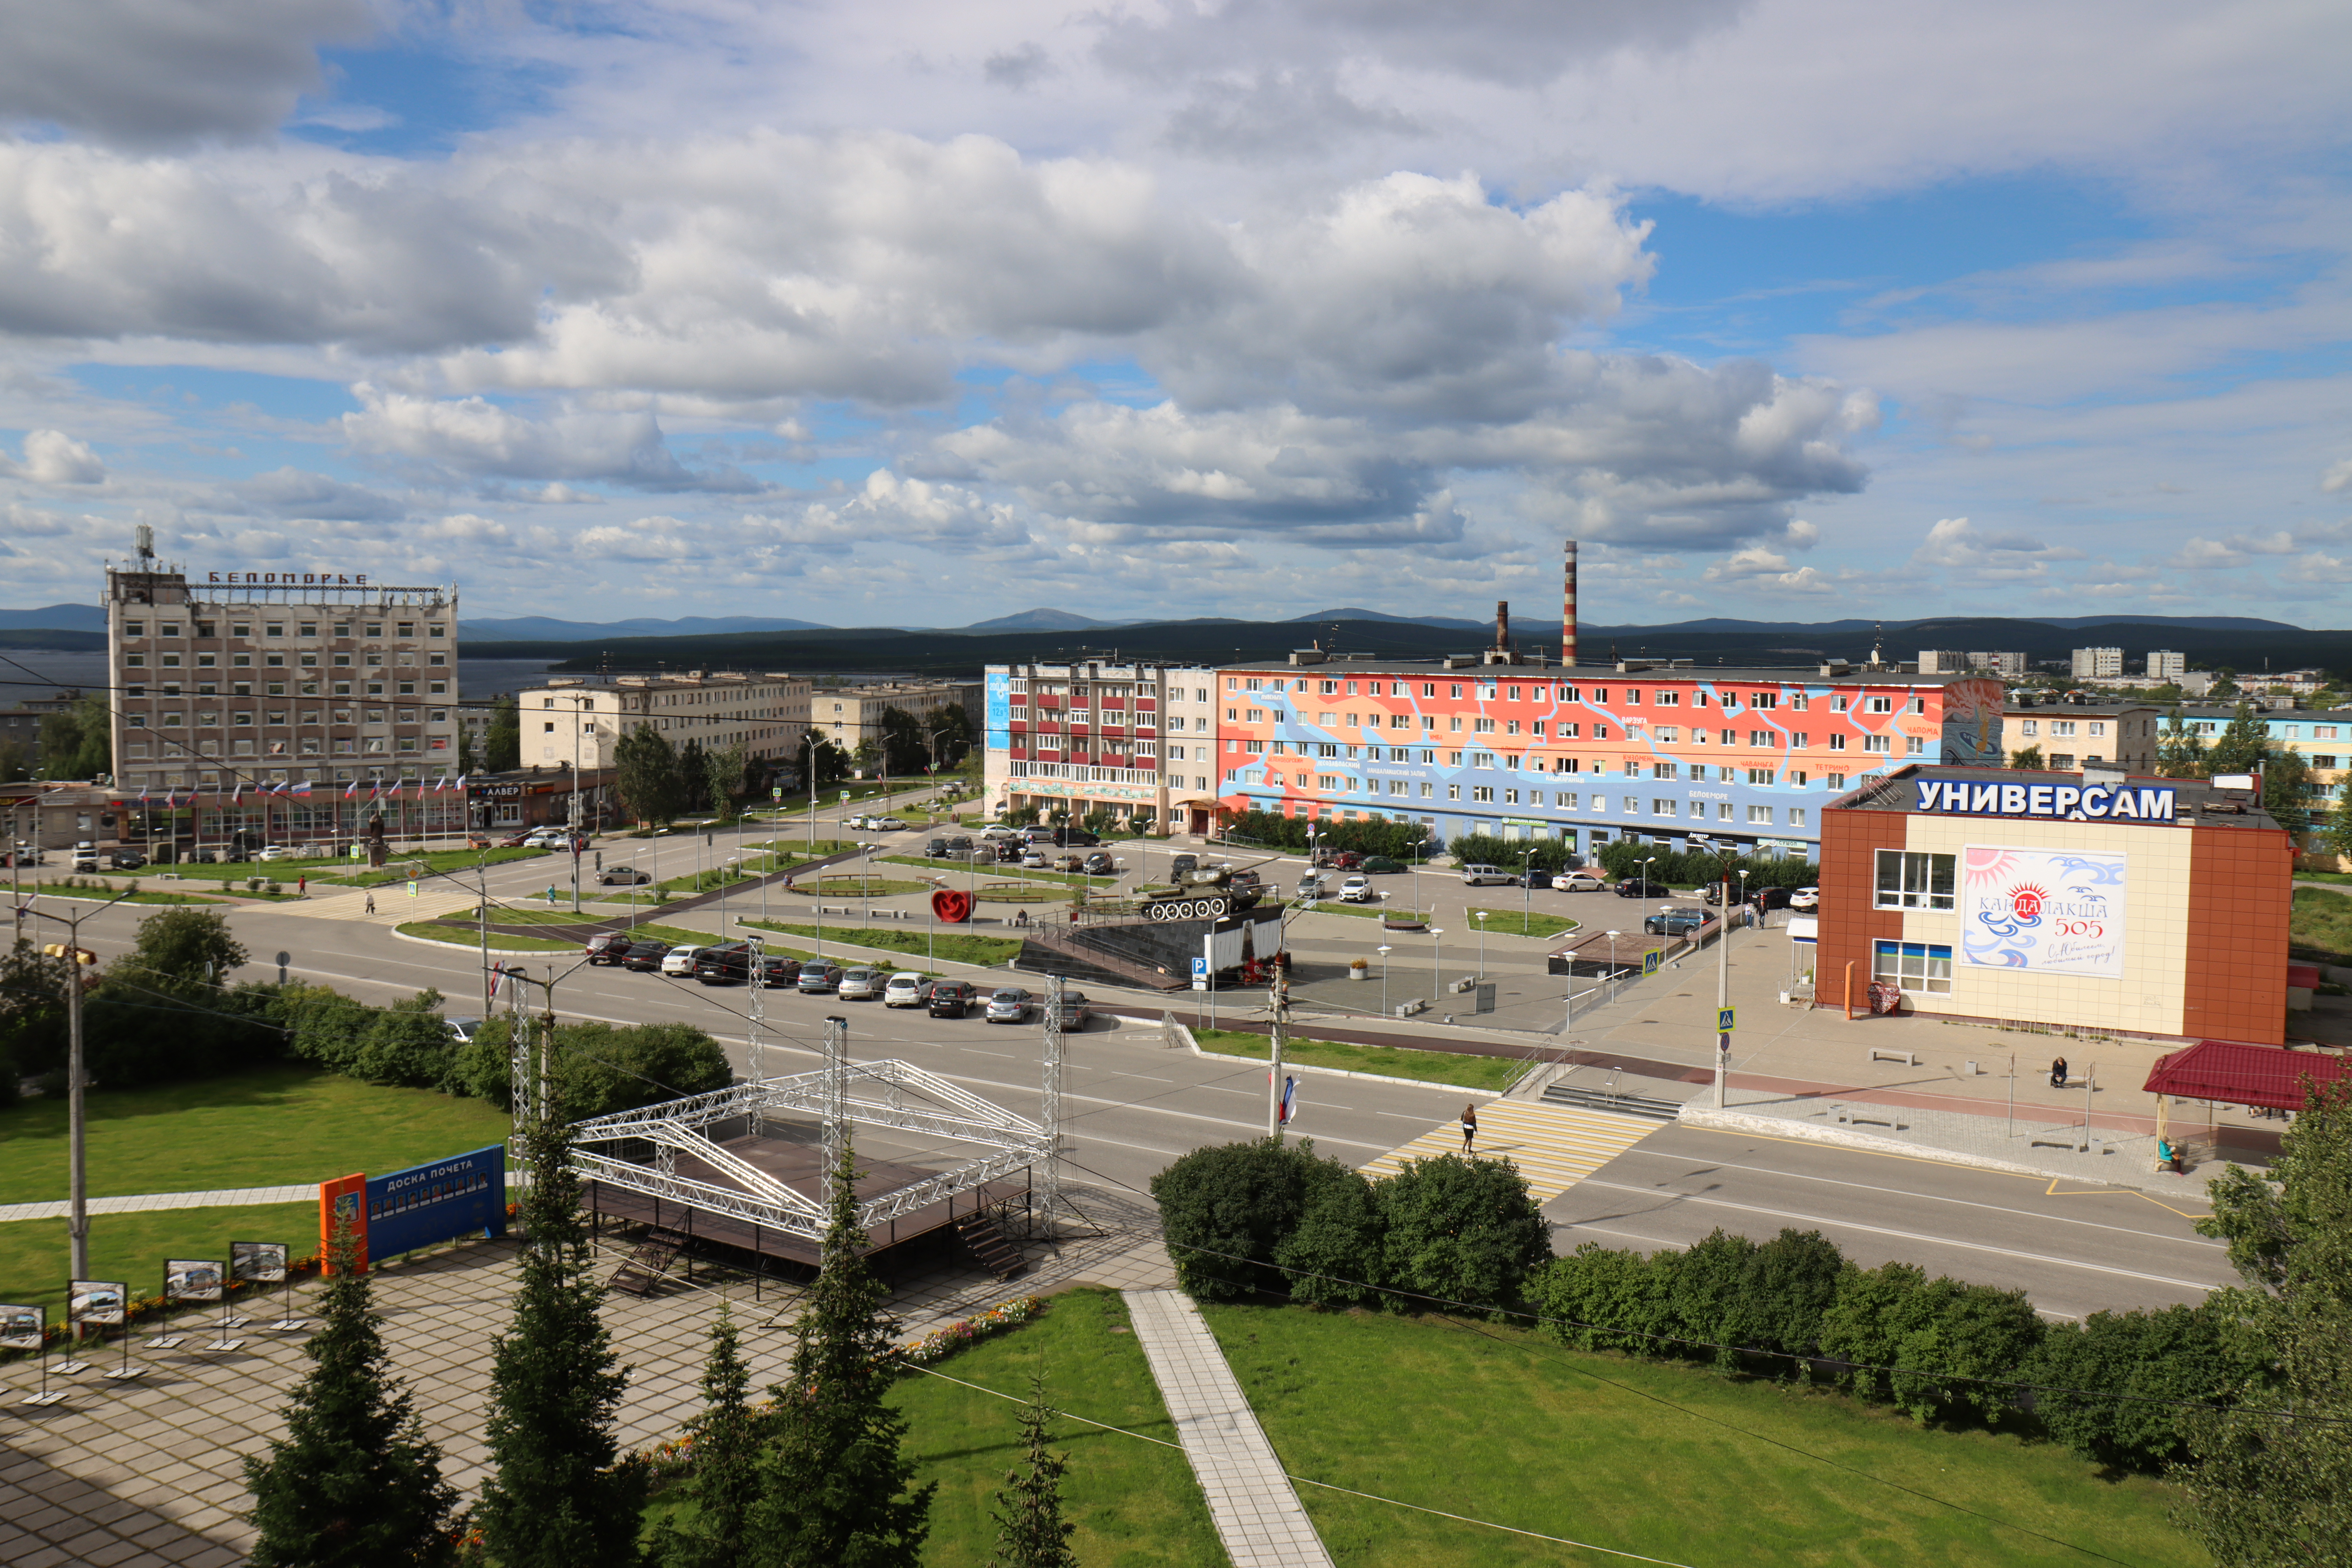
1706 1119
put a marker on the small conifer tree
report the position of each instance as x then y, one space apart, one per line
559 1495
354 1481
1030 1531
726 1477
835 1485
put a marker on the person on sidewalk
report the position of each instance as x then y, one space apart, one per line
2058 1073
371 901
1469 1126
302 886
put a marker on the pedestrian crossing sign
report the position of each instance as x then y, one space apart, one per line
1723 1019
1650 963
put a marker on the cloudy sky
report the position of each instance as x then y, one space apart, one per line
915 312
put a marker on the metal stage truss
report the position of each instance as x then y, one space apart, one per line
841 1094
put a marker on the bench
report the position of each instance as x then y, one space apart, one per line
1881 1054
1853 1117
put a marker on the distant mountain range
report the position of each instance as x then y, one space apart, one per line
54 618
539 628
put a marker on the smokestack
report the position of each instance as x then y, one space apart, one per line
1502 625
1568 609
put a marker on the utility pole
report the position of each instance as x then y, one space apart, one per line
755 958
1723 988
77 957
1278 993
1049 1099
836 1094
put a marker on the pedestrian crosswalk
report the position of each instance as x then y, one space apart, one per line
392 905
1554 1146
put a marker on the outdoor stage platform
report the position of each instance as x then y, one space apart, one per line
799 1166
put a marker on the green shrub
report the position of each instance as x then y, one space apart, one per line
1226 1209
1942 1341
1337 1240
1461 1230
2163 1360
1602 1299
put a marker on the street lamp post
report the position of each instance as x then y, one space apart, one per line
1526 910
1480 916
1384 979
1436 961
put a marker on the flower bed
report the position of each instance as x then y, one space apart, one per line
940 1343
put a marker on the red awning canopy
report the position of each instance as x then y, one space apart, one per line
2245 1075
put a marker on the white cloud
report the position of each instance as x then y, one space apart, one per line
2337 477
54 458
1958 549
475 437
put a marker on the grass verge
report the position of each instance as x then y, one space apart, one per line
986 951
2319 925
861 887
256 1129
34 1258
1513 922
1135 1503
1389 1061
100 895
464 936
1672 1462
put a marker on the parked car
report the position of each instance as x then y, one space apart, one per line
276 852
622 875
817 977
1311 885
1033 861
1676 919
998 830
724 964
778 972
463 1028
889 825
1179 865
935 848
609 947
85 855
1068 865
959 845
1382 866
1100 865
1037 835
1531 877
1011 852
515 841
1076 1012
1356 890
1769 898
1244 881
860 984
905 989
1805 900
1067 837
645 957
952 998
1009 1005
130 860
679 960
1637 888
1345 860
1479 876
1577 882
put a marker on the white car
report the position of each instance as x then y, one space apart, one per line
999 830
1356 890
1805 899
679 960
889 825
1484 876
905 990
1578 882
860 984
275 852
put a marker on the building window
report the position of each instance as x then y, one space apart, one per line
1759 776
1909 881
134 628
1877 743
1763 813
1795 817
1917 966
1662 808
1453 792
1882 705
1836 781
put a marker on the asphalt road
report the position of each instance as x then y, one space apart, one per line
1132 1105
2075 1248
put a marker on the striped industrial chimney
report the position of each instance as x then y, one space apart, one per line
1568 609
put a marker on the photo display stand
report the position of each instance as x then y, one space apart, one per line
203 1280
263 1263
94 1303
26 1329
164 1338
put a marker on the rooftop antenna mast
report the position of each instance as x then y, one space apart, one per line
144 537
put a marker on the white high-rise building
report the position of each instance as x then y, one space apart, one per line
2091 663
2164 664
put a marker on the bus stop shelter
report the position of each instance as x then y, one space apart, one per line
2268 1076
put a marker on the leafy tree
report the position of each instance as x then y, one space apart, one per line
466 760
2120 1388
835 1485
77 744
2027 760
648 774
502 742
1943 1339
1031 1531
2337 834
2274 1478
2180 751
1331 1258
869 756
724 766
1226 1209
354 1480
559 1495
693 783
1461 1230
32 1013
1598 1298
2286 789
603 1067
13 766
187 944
725 1482
2243 746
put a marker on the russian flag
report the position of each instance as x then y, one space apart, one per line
303 788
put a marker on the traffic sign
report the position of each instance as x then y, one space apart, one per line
776 792
1723 1016
1650 963
1200 966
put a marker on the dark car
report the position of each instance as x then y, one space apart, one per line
608 947
1244 881
1344 861
1637 888
1075 1013
1010 851
1382 866
959 845
1100 865
777 973
1533 877
128 859
1771 898
622 875
644 956
817 977
723 965
935 848
1675 920
1074 837
952 998
1178 865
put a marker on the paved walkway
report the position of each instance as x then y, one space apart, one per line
1554 1146
1250 1497
209 1198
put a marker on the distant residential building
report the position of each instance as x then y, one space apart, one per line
2091 663
2196 682
2075 735
849 715
2165 665
1129 737
1943 661
573 721
2012 665
21 726
2324 737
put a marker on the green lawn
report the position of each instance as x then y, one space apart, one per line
2319 924
1369 911
341 868
944 943
1390 1061
255 1130
465 936
35 1261
947 866
1512 922
1020 893
858 887
100 895
1670 1462
1135 1503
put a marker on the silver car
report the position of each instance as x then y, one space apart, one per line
1011 1004
861 985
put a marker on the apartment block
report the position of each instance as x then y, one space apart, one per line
579 722
2092 663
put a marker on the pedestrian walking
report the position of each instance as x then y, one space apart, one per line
2058 1073
1469 1126
371 901
302 886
